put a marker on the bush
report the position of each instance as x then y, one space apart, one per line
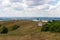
52 27
49 21
55 28
45 28
14 27
3 30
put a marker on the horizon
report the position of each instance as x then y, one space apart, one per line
29 18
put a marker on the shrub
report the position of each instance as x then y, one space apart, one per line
14 27
49 21
45 28
3 30
52 27
55 28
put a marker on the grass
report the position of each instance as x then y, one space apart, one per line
28 30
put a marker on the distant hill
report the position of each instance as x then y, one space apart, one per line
29 18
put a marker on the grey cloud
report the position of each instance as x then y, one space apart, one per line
0 1
34 2
14 1
18 9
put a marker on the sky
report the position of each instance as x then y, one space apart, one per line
29 8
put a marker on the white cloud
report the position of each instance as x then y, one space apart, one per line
55 12
31 8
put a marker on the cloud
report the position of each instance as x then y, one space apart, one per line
55 12
53 2
33 3
39 11
15 1
29 8
17 6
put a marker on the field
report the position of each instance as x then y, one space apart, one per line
28 30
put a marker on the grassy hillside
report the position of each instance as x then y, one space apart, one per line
28 30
